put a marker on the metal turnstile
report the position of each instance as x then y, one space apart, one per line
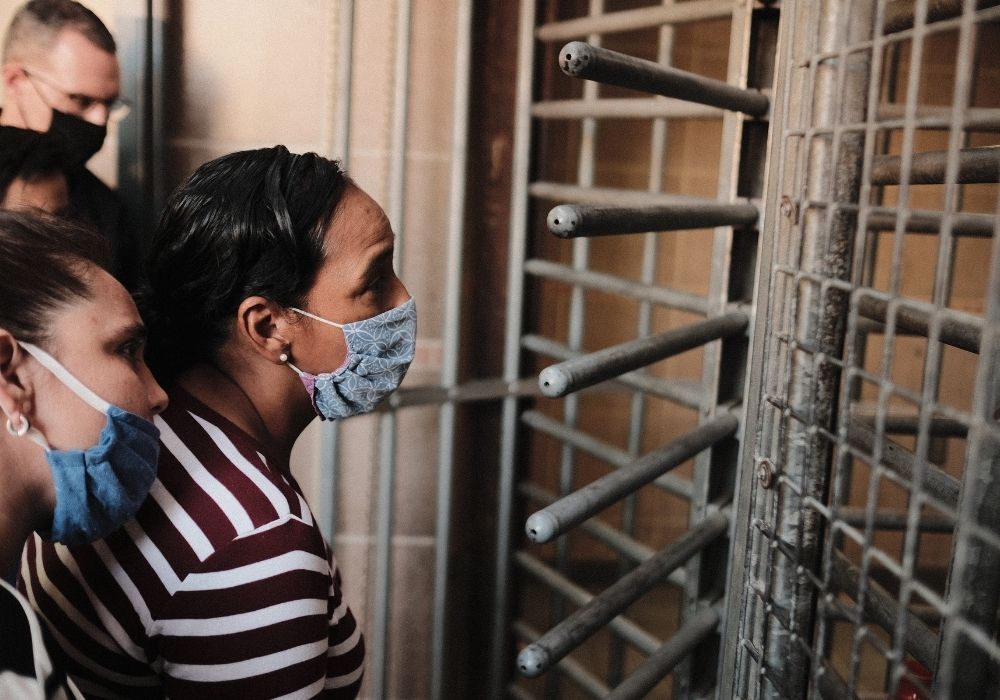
838 464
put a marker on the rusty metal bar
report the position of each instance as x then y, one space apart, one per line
582 60
580 440
573 670
569 511
607 196
622 626
610 284
894 521
640 18
578 627
621 543
682 392
576 220
968 225
937 483
960 331
899 15
587 370
882 609
909 424
624 108
975 165
933 117
662 661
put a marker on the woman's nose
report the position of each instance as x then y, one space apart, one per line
157 396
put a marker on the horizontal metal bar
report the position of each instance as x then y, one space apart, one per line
857 517
932 117
569 511
622 626
475 390
610 284
681 392
937 483
607 196
881 608
975 165
579 59
572 375
662 661
574 670
538 657
516 692
622 544
968 225
628 20
624 108
580 440
900 15
955 329
576 220
909 424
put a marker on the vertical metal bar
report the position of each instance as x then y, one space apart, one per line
651 247
383 549
711 463
329 485
577 319
452 345
746 636
512 346
388 421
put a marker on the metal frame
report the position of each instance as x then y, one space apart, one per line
809 562
716 398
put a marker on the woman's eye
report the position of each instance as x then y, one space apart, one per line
132 350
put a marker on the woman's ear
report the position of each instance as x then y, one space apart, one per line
13 394
261 323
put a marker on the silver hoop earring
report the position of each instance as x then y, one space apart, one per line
21 430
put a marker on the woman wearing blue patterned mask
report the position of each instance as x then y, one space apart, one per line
271 300
78 450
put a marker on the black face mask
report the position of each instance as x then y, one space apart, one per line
81 138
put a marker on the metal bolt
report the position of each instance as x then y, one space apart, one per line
765 474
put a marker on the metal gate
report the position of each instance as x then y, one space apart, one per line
857 477
866 553
643 415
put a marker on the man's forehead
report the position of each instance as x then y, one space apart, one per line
81 64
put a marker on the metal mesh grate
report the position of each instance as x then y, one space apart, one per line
867 550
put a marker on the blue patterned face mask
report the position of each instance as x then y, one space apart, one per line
379 351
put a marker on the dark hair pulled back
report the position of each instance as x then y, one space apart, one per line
251 223
46 264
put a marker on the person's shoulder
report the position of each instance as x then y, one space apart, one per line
24 655
84 183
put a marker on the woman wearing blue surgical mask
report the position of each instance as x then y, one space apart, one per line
78 450
271 300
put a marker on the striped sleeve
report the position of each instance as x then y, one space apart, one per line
262 617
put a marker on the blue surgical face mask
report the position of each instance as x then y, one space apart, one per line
379 351
100 488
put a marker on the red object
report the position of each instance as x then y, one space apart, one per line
906 690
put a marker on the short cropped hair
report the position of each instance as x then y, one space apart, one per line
47 264
38 22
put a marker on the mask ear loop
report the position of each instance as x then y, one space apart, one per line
62 374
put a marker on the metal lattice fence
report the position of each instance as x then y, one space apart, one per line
867 556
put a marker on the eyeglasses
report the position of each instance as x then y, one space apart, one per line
117 108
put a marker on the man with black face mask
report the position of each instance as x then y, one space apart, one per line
61 76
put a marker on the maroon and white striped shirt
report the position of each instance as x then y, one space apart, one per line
222 585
